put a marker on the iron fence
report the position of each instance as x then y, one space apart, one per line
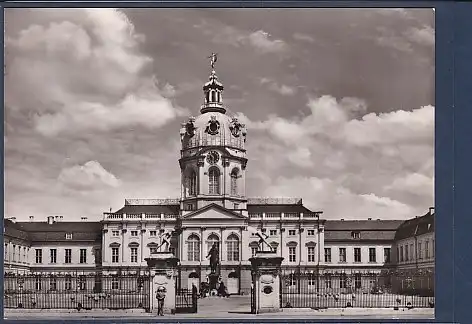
76 291
366 290
186 301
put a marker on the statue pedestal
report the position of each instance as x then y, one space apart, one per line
213 281
265 268
162 266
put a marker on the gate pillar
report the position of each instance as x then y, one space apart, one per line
265 268
163 272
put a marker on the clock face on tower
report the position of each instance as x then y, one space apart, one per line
213 157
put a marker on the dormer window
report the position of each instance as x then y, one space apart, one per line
68 236
356 235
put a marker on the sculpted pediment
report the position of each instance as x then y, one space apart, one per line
213 212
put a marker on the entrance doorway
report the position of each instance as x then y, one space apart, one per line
233 283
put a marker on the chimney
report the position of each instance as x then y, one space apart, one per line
431 210
369 218
31 218
50 220
83 219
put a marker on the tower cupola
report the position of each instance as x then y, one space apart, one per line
213 91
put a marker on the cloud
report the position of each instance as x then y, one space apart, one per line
423 36
262 42
89 176
303 37
87 74
282 89
355 164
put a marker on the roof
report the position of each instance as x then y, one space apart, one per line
276 208
416 226
149 209
12 229
369 230
44 232
362 225
336 236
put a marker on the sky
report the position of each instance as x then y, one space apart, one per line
339 105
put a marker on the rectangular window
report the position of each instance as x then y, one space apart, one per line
273 232
253 251
6 252
68 282
426 249
68 236
420 251
401 254
14 253
311 280
115 255
134 233
134 255
327 254
357 281
52 256
68 256
407 253
356 235
387 255
236 206
82 282
343 281
372 255
25 255
52 283
342 254
193 250
115 233
83 256
152 233
311 232
432 248
172 250
153 250
311 254
357 255
412 253
39 256
115 284
292 254
232 250
327 280
38 283
292 232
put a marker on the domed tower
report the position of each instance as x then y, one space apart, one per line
213 157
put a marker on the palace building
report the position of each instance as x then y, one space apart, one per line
213 207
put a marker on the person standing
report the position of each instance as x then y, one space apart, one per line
161 296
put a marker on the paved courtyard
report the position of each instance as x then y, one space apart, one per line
224 308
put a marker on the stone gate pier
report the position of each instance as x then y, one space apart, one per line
163 271
265 295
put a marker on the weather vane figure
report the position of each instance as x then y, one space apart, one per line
213 58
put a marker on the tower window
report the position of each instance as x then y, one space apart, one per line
213 96
234 182
214 181
192 190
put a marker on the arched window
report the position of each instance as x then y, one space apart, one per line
234 181
213 96
232 247
213 238
192 183
193 248
214 181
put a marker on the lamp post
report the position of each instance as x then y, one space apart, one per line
317 215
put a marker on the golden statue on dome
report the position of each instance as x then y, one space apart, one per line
213 58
